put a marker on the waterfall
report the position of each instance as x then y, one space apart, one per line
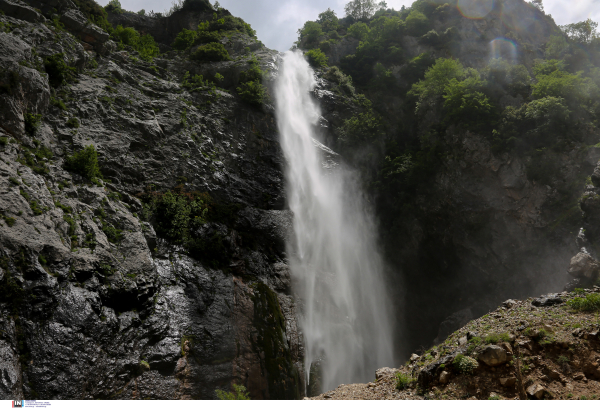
336 267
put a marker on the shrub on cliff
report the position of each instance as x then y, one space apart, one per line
144 44
316 58
58 70
239 393
590 303
85 163
184 39
464 364
252 92
210 52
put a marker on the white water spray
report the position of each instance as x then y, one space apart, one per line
335 263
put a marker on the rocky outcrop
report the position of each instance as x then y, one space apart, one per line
93 302
21 11
75 22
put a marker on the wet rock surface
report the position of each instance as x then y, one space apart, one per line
93 303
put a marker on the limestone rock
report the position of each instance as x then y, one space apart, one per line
444 377
508 381
493 355
547 300
385 372
583 265
536 391
596 176
21 11
75 21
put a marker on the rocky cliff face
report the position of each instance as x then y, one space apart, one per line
93 304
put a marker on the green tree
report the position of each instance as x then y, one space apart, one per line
464 102
432 87
583 32
328 20
114 6
359 30
360 9
556 47
310 33
417 23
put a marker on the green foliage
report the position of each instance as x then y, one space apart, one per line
58 70
73 123
431 88
465 103
343 81
185 39
417 23
365 126
114 6
251 89
310 33
252 92
556 47
196 82
494 338
176 214
583 32
85 163
328 20
316 58
553 81
360 9
403 381
239 393
32 122
58 103
589 303
359 30
144 44
112 233
464 364
210 52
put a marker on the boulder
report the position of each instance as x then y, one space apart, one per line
583 265
508 381
444 377
384 372
493 356
536 391
509 303
547 300
75 21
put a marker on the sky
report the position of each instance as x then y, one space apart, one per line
277 21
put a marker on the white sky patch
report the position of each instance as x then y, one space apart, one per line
277 21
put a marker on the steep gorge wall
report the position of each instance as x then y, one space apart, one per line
93 304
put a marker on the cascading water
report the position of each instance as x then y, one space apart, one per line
335 264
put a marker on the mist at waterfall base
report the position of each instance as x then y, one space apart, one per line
336 268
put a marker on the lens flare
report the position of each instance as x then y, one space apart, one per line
475 9
503 48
